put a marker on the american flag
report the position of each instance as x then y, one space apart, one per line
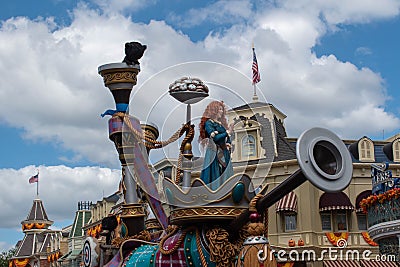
254 67
34 179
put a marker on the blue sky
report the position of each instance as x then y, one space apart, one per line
327 64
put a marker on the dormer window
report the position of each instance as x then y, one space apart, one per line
366 150
396 150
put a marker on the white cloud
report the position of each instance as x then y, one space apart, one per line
220 12
363 51
299 30
375 116
337 12
359 11
115 6
60 189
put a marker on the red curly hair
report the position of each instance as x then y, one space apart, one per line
211 112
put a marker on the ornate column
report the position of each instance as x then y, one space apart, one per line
120 78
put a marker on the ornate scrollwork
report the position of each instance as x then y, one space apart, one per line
152 224
204 213
132 211
121 77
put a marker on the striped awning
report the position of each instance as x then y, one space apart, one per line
341 263
371 263
335 201
287 203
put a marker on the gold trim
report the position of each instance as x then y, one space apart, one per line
221 187
113 70
132 210
205 198
120 76
204 213
151 129
152 224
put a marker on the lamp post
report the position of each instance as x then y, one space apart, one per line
188 91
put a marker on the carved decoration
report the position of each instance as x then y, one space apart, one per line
127 76
179 215
152 224
132 211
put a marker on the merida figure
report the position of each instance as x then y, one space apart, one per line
214 135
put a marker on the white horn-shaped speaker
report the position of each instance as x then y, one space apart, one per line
324 159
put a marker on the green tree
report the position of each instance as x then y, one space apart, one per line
5 256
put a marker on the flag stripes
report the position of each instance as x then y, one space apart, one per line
34 179
256 73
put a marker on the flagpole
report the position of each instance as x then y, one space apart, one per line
37 185
255 96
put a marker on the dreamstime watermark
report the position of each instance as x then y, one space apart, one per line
337 253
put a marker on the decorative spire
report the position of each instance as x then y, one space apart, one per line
35 228
37 217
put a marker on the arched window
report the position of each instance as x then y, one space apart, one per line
246 142
366 150
248 146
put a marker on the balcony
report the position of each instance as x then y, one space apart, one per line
383 215
387 211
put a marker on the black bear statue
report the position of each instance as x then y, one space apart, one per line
133 52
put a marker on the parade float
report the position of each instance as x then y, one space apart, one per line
214 220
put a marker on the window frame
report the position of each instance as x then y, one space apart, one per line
334 220
362 215
366 150
396 150
289 214
240 134
337 221
327 214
